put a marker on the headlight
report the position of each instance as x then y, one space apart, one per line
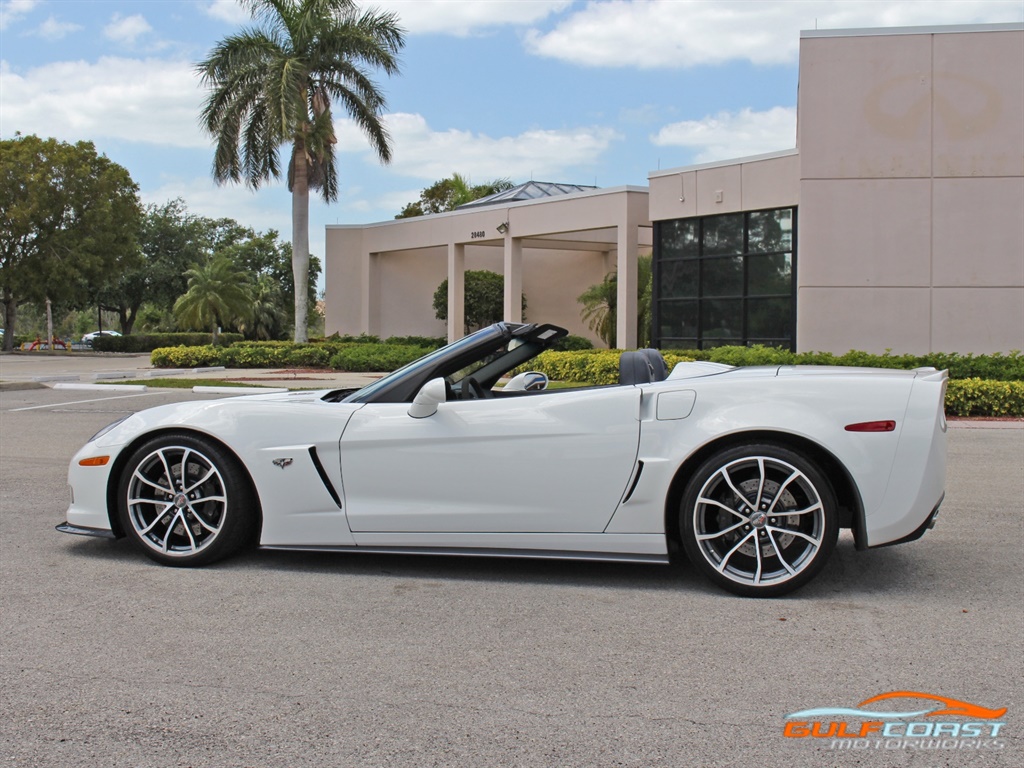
106 429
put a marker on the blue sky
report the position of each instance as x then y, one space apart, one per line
598 92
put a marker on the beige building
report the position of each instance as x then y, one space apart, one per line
551 246
897 223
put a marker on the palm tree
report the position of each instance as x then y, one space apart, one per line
599 302
267 317
218 294
274 85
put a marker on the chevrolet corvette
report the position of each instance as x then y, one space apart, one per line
750 471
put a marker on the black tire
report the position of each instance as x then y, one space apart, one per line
763 493
210 512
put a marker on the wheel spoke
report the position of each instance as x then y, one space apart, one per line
167 470
199 518
778 552
728 481
781 490
170 527
188 532
731 552
183 468
730 510
762 476
813 508
210 472
167 508
723 532
800 534
222 499
163 489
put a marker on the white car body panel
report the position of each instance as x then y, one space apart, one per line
556 463
564 473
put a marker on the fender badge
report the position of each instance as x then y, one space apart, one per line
282 463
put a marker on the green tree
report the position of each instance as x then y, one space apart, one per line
274 85
170 239
599 302
219 293
448 194
485 299
267 316
68 220
264 255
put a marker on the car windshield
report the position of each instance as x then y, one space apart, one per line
411 370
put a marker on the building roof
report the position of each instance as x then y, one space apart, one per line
531 190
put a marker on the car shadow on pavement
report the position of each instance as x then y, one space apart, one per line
849 573
584 573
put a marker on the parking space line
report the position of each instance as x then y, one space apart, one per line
80 402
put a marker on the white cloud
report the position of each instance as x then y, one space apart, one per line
267 208
228 11
732 134
51 29
430 155
649 34
149 101
126 29
13 10
460 18
160 103
467 17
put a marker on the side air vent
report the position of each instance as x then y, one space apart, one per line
636 479
323 476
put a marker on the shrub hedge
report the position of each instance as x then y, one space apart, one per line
376 357
147 342
998 393
996 367
980 397
345 356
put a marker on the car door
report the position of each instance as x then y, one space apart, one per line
549 462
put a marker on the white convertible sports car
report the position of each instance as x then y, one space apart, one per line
752 471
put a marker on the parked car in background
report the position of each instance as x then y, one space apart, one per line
88 338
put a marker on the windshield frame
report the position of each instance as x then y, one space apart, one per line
402 385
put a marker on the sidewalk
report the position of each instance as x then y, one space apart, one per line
26 369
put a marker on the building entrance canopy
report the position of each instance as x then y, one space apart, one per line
381 277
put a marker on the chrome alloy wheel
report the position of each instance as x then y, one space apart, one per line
177 501
761 522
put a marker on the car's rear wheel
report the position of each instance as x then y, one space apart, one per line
759 520
184 501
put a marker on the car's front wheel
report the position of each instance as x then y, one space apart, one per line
759 520
184 501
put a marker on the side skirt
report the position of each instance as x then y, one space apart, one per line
536 554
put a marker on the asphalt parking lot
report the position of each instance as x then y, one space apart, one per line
292 660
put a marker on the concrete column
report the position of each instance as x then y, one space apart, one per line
625 313
513 279
456 291
369 289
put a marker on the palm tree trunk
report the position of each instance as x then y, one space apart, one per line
300 241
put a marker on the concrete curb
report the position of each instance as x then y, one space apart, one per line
15 386
102 387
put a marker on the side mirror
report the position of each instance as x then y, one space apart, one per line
530 381
431 395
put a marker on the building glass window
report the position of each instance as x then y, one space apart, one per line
727 279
